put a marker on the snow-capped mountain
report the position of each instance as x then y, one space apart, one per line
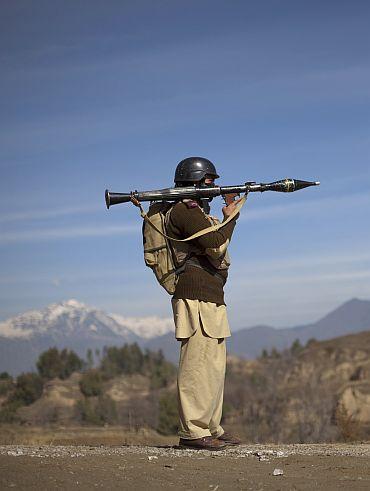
73 325
72 316
61 319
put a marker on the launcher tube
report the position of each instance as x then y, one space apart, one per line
195 192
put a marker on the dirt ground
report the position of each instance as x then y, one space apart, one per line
247 467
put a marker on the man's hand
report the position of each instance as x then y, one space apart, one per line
229 198
230 208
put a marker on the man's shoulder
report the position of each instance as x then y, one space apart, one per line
184 207
185 212
186 204
190 204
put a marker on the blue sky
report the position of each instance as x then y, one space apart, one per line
113 94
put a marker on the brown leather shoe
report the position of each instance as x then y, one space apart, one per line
229 439
205 443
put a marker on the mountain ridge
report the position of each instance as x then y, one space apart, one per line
74 325
33 322
351 316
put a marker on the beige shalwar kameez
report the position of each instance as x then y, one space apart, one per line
202 328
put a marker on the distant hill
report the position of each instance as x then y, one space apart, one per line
352 316
73 325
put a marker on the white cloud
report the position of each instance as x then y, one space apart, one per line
67 233
339 259
146 327
49 213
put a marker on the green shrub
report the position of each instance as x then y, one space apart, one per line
6 384
128 359
70 363
91 383
227 409
161 375
54 363
275 353
89 358
28 389
311 342
5 376
168 421
264 354
161 372
99 411
296 347
49 364
8 412
87 412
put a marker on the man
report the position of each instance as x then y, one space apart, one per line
199 310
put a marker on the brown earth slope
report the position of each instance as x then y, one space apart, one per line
316 393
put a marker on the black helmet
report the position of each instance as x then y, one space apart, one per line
194 169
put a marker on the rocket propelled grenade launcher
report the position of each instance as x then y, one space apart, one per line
196 192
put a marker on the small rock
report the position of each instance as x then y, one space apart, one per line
278 472
15 453
152 457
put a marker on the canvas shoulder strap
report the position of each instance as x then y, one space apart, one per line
212 228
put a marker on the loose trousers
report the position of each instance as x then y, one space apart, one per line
202 366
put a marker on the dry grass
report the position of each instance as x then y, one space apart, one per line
77 435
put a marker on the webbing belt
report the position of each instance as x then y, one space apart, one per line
196 264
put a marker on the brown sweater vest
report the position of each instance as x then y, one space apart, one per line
196 283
